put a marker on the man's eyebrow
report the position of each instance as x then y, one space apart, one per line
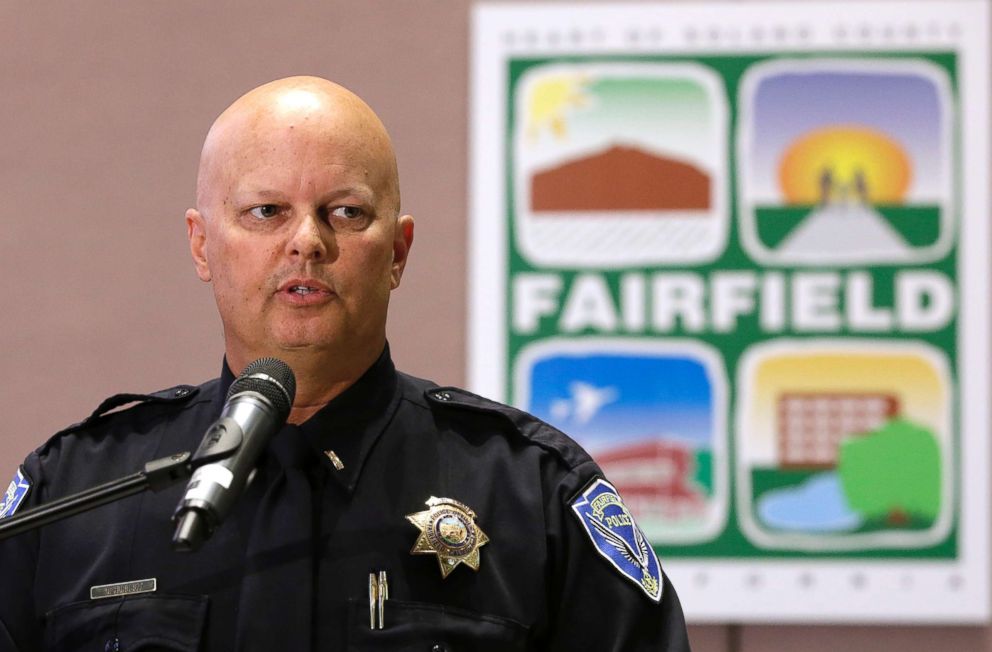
362 191
257 193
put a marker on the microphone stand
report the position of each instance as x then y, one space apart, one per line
219 442
157 475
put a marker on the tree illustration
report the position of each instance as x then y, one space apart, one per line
893 473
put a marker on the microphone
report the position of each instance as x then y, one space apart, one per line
256 407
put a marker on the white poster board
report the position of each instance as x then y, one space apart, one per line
740 252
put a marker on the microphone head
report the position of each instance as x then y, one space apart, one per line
270 377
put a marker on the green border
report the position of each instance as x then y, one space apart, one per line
731 542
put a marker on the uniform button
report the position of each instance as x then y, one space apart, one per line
438 648
182 391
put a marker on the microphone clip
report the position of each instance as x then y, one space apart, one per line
222 439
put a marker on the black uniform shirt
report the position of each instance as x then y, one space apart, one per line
289 569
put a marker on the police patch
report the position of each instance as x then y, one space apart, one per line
616 536
16 491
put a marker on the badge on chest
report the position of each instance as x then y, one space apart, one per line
449 531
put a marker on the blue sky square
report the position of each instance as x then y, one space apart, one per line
608 399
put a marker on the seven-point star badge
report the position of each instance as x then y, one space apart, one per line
448 530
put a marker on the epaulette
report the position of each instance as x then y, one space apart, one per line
456 396
543 434
177 394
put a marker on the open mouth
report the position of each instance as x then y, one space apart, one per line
306 291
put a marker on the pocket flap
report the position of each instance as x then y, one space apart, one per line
146 623
422 626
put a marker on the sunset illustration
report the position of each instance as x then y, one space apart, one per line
846 162
856 161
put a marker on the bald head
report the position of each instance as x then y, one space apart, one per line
330 116
297 230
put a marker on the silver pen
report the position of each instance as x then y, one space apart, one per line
373 598
383 596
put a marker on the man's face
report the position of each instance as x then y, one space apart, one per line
298 233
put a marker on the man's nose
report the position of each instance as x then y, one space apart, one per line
310 239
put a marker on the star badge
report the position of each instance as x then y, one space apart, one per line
448 530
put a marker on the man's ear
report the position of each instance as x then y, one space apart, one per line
196 231
402 241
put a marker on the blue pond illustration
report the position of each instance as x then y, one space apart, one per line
816 505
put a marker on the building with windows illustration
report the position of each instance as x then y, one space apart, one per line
811 426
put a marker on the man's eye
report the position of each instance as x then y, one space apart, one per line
265 211
348 212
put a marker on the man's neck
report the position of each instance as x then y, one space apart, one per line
315 389
321 375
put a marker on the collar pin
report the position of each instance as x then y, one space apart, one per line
335 460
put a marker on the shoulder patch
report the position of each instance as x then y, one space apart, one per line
616 537
17 490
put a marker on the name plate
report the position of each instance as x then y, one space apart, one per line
123 588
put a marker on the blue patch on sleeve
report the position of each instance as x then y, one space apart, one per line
616 536
16 491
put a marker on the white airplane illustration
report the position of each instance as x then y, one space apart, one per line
586 400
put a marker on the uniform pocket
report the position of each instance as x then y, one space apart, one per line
149 623
425 627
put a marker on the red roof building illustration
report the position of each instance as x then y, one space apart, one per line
621 178
654 477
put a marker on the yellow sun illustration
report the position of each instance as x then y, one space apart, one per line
549 102
846 159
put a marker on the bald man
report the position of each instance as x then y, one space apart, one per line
388 513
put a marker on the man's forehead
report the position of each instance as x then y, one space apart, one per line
308 121
337 136
314 141
293 157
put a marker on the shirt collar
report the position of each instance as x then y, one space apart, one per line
227 378
351 423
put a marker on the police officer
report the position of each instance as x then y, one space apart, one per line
388 513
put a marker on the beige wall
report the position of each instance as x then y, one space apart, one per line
103 106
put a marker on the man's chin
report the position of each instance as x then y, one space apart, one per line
302 338
303 345
296 342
